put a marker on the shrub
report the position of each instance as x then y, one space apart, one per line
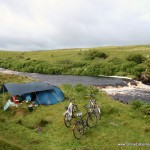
93 70
108 109
138 69
136 104
68 91
80 88
102 68
79 64
145 109
116 61
78 91
121 73
92 54
137 58
53 70
127 67
65 61
148 62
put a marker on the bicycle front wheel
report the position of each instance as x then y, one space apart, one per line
78 130
91 120
67 120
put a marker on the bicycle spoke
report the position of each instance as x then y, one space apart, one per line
78 130
91 120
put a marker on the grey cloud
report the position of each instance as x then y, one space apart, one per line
44 24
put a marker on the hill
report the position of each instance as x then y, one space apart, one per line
121 126
131 61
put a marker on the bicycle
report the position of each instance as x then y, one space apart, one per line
93 105
69 114
80 124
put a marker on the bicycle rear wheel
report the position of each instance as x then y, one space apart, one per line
78 130
91 120
67 120
97 112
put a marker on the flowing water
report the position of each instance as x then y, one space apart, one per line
118 87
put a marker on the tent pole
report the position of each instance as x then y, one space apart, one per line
37 98
3 92
57 97
39 102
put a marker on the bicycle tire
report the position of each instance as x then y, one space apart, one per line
91 120
78 130
97 112
67 120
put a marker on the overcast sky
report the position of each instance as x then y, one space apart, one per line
57 24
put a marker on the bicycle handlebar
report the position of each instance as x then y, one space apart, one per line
90 95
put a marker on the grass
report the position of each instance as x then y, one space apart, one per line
53 56
120 124
7 146
13 78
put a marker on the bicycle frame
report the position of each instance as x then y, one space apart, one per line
89 111
69 114
81 119
80 124
69 109
94 105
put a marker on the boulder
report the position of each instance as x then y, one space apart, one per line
133 82
145 78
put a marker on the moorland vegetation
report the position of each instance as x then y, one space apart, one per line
131 61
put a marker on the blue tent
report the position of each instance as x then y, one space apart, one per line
45 93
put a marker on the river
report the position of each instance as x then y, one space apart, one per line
119 88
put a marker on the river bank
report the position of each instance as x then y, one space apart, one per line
138 91
120 88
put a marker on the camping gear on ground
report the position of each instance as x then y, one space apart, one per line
30 108
15 100
18 99
44 93
9 103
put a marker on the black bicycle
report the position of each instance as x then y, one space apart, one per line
80 124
